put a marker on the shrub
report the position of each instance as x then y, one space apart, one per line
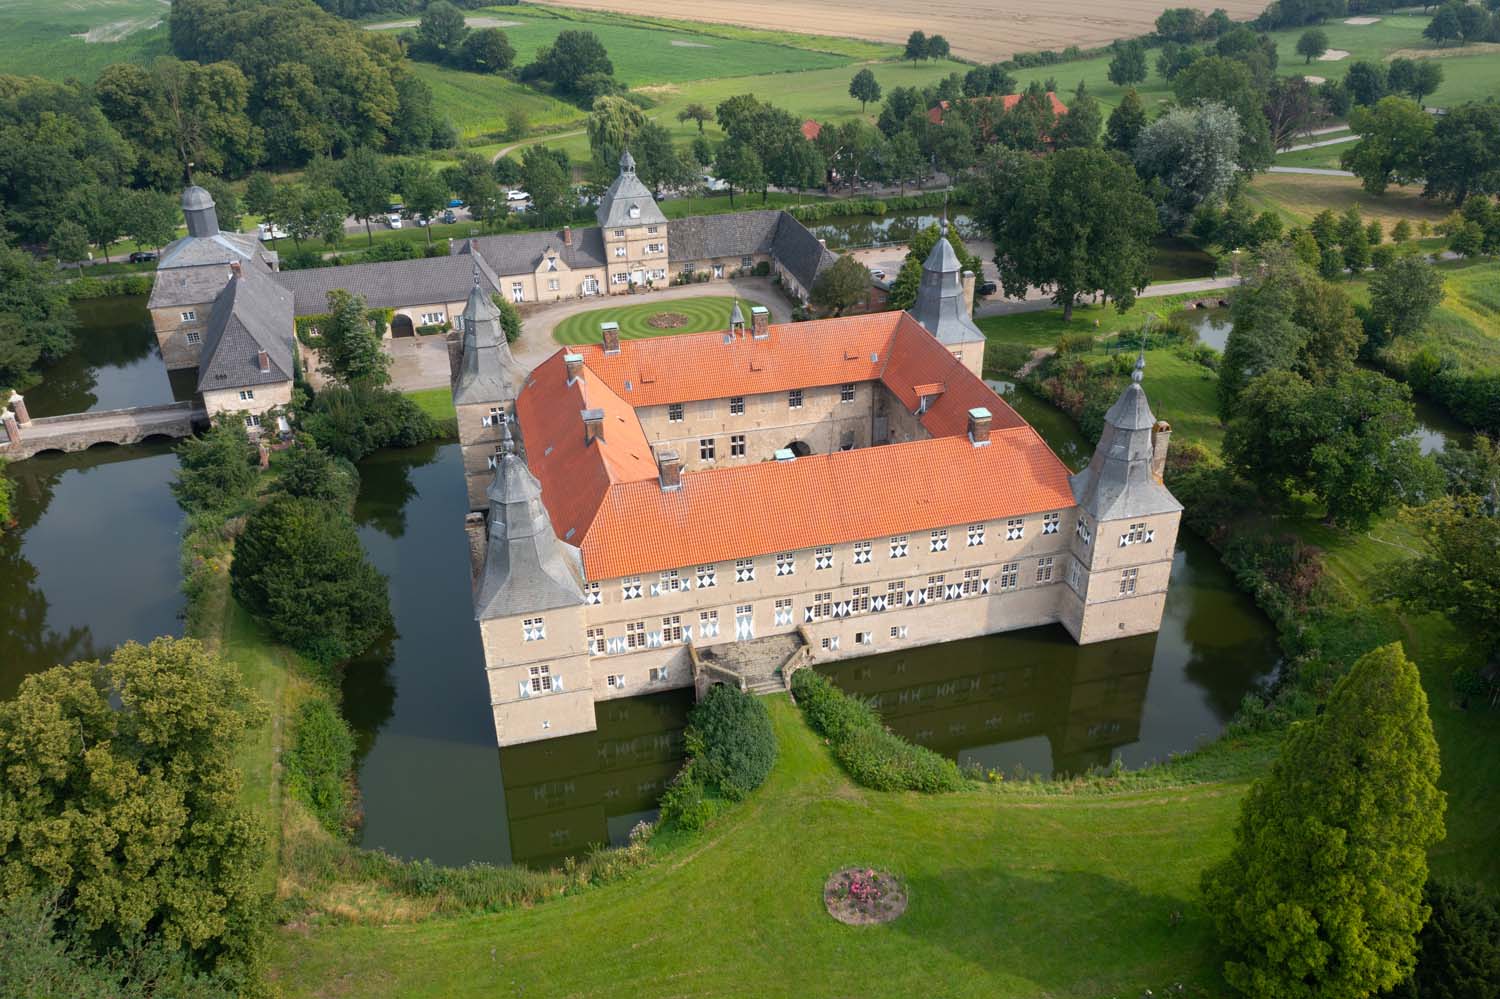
1458 950
730 740
1076 343
1002 360
873 755
119 284
683 803
321 762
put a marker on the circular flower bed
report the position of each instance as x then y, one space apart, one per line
668 321
861 896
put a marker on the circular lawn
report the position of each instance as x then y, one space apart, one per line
661 317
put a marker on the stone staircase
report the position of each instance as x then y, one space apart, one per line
756 665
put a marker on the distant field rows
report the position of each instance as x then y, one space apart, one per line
983 30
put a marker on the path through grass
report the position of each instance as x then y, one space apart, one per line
1011 895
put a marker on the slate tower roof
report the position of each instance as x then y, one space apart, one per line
192 269
1118 482
627 202
487 372
526 567
940 305
252 314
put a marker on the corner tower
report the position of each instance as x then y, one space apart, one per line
529 603
1127 523
484 391
634 230
945 304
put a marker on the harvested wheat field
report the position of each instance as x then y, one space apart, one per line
983 30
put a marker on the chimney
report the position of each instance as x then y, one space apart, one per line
760 322
567 235
1161 437
575 366
265 362
669 466
593 425
968 281
610 333
234 268
979 426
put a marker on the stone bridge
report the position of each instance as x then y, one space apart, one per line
24 437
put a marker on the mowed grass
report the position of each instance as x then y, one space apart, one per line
477 103
1466 325
44 37
711 312
435 402
1297 197
1010 895
653 54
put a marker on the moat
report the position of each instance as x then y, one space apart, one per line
92 562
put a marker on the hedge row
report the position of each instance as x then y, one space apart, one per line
820 211
104 287
874 756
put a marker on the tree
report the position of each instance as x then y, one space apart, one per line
1312 44
570 61
1290 108
349 347
730 739
487 51
937 47
903 159
1458 950
1425 80
695 112
1464 158
612 123
864 88
1077 222
1321 894
101 212
1287 318
441 31
70 244
151 217
987 81
1444 26
842 286
1126 122
1403 295
351 421
1348 442
547 183
903 294
1366 81
1080 126
217 470
1457 574
319 213
1193 152
738 166
122 798
1354 238
260 190
364 181
1227 81
36 318
424 192
308 471
226 202
300 568
1127 66
916 46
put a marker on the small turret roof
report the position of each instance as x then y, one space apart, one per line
195 198
1118 482
940 305
627 202
487 371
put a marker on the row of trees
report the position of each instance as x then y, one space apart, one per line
921 46
444 36
1453 154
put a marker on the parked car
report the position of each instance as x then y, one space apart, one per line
456 203
517 195
714 183
985 288
449 217
143 256
269 232
877 273
394 218
422 220
394 206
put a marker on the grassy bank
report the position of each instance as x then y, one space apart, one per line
1001 908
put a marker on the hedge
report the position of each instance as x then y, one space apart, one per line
118 284
730 739
874 756
321 763
820 211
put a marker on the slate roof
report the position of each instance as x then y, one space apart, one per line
487 371
625 193
252 313
1006 102
604 496
778 233
800 252
521 253
193 269
389 284
940 305
1118 482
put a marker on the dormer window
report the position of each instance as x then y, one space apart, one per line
635 211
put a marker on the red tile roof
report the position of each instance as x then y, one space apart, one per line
604 496
1008 101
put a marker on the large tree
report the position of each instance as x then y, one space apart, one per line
612 123
1395 137
299 567
151 217
1464 158
572 63
1321 895
738 166
1229 82
1403 295
217 469
365 182
1127 66
1312 43
1080 126
1126 122
122 795
864 88
441 32
36 318
1193 151
547 183
487 51
842 286
1457 574
348 344
1076 222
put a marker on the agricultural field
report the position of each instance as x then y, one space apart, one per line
661 318
478 103
980 30
79 38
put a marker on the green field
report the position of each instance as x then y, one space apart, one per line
1011 895
1297 197
711 312
644 54
477 103
1466 326
44 37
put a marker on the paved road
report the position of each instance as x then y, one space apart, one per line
1340 140
1315 171
1038 300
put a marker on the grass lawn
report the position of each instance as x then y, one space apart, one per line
1323 157
711 312
1011 895
435 402
1041 329
1298 197
477 103
47 38
1466 326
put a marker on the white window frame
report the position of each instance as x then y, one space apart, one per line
744 570
635 635
976 535
1044 566
671 629
900 546
246 395
1128 579
533 629
541 679
736 445
823 557
707 448
194 337
708 575
736 405
786 563
596 640
1050 522
938 540
675 412
863 552
1015 529
794 399
252 421
630 588
846 392
190 316
1010 576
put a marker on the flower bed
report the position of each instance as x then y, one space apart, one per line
668 321
862 896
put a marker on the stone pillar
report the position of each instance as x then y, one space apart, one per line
19 405
12 429
968 287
